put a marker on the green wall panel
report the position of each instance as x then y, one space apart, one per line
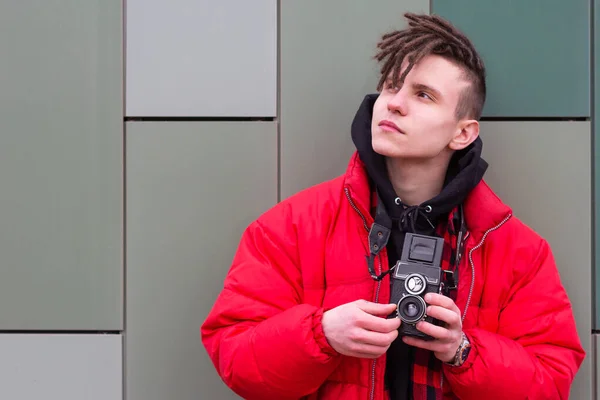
536 53
61 165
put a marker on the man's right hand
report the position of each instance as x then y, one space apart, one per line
360 329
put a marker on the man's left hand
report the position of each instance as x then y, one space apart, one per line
448 337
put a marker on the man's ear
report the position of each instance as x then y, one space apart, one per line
466 133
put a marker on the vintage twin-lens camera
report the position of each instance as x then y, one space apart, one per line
417 273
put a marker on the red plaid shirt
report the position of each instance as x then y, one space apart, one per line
426 377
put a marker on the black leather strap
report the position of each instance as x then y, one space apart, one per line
379 235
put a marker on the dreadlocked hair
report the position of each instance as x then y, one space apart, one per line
431 34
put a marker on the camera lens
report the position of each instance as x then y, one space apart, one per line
411 309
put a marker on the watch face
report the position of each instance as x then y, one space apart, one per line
465 353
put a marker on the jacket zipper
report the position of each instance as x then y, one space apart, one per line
372 393
364 220
472 264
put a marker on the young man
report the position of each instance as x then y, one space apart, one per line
325 289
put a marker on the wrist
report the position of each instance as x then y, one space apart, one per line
321 333
462 352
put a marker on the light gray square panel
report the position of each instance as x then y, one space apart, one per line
201 58
61 367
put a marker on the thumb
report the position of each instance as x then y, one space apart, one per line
376 308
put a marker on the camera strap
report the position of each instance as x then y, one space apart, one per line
379 235
451 276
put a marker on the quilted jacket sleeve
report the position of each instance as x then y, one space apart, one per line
536 351
264 343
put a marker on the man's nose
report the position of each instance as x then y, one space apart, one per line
397 103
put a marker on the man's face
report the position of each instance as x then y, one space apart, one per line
418 120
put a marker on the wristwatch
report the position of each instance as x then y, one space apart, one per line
462 352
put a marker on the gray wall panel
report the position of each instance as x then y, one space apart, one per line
201 58
595 357
192 188
596 135
543 171
327 67
61 168
61 367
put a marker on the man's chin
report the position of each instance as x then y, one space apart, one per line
386 151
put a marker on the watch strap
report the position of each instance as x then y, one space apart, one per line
462 352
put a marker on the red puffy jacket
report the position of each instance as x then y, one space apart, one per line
307 255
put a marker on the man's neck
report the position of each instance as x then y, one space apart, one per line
416 181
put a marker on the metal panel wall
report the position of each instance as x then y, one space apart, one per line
65 367
596 166
543 171
201 58
61 167
193 187
596 369
537 53
327 67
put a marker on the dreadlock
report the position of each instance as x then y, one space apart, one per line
431 34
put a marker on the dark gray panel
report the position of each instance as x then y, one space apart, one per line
61 167
201 58
537 53
327 67
65 367
543 171
192 188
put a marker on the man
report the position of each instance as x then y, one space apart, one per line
312 306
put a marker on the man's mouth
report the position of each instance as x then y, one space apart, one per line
389 126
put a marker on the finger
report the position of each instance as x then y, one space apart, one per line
434 331
378 324
376 308
375 338
436 299
443 314
366 355
362 350
432 345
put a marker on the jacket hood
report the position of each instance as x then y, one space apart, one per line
465 171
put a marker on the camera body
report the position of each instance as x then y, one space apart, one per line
417 273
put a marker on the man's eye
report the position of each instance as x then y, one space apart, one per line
424 95
391 87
